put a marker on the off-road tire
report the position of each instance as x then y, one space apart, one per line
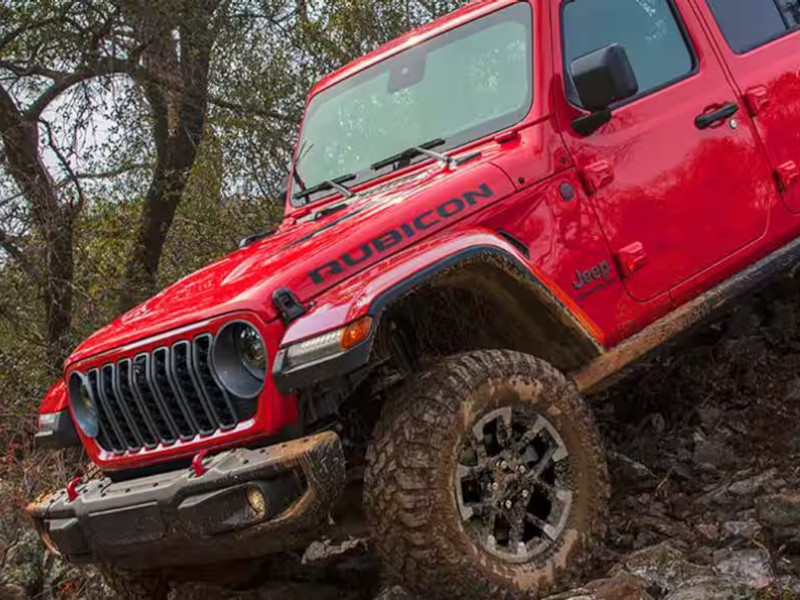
409 483
135 585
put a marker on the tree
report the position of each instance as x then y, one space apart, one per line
47 49
174 80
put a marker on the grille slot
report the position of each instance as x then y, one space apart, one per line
163 388
160 397
118 410
143 423
141 386
184 382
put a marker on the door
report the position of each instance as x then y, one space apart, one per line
760 42
674 195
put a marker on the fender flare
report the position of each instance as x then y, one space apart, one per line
390 280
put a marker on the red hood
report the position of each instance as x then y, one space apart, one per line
245 279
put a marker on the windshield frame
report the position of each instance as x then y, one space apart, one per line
469 137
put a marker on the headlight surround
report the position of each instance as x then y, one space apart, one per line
82 403
239 357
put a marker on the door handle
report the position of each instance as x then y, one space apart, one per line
706 120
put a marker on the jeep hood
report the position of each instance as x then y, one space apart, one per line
246 279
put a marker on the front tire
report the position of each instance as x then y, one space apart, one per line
486 478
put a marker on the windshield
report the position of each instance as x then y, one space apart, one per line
459 86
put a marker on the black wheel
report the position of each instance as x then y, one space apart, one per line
486 476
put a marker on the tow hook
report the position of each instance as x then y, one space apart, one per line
197 463
72 489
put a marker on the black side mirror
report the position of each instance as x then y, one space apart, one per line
602 78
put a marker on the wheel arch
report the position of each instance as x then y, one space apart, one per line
491 286
481 267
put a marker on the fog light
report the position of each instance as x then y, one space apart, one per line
257 501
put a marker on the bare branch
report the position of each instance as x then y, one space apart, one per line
250 110
105 67
71 176
21 70
14 34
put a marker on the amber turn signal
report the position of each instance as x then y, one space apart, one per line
355 333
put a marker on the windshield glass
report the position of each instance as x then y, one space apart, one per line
458 86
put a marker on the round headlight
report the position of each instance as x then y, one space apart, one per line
81 400
239 357
250 349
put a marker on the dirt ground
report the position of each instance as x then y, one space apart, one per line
703 440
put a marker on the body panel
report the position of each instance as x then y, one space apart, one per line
689 197
768 81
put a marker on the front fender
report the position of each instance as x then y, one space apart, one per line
372 290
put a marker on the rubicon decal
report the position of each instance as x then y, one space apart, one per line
393 237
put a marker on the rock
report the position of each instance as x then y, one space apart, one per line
750 567
753 485
711 588
792 391
787 585
12 592
619 588
779 514
327 551
741 529
395 593
623 587
708 530
630 472
709 416
779 510
663 567
23 563
712 453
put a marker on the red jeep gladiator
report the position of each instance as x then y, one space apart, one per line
485 219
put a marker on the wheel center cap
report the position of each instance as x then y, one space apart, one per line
512 484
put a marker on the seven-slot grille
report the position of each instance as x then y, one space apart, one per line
160 397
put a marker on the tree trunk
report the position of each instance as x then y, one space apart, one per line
178 98
58 290
53 220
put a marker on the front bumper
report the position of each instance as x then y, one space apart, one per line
178 518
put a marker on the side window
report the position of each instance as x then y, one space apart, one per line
647 29
748 24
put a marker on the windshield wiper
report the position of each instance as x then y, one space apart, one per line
328 184
403 158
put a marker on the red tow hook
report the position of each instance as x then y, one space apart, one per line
197 463
72 489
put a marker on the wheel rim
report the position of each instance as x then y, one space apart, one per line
512 484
